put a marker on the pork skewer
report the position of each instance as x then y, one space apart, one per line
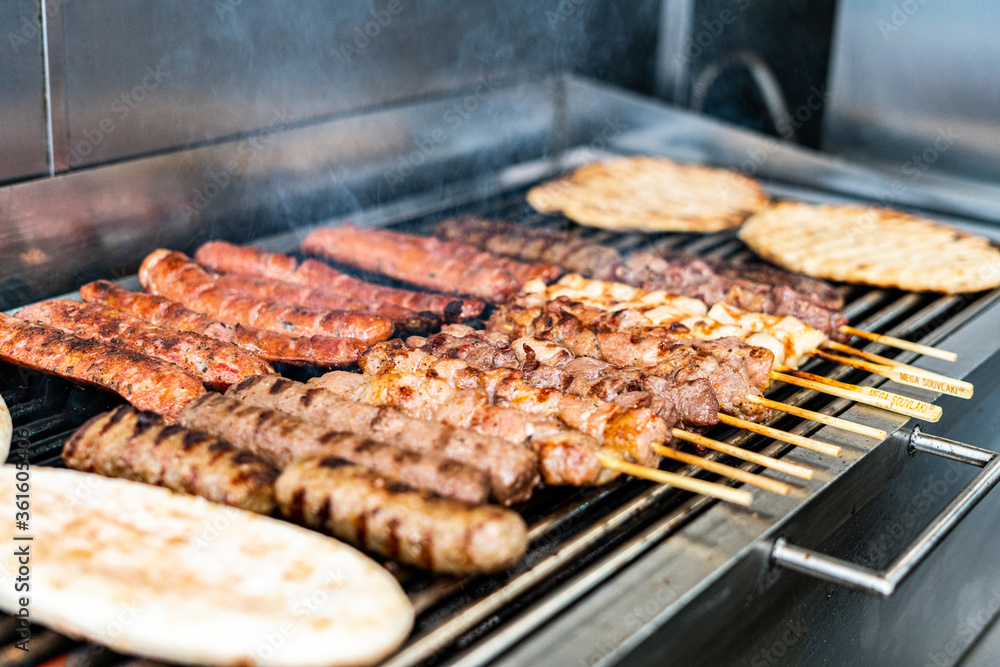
145 382
215 363
426 261
246 260
139 446
512 469
175 276
280 439
268 345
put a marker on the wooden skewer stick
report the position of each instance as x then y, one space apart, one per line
753 479
902 405
793 469
710 489
886 361
783 436
900 343
835 422
915 377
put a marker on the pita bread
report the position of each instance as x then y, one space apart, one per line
651 195
6 430
874 246
146 571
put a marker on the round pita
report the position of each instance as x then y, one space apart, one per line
150 572
874 246
652 195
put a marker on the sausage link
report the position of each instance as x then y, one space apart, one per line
146 383
138 446
512 469
268 345
175 276
215 363
425 261
392 519
245 260
280 438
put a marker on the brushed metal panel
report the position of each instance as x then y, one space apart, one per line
916 85
22 91
145 77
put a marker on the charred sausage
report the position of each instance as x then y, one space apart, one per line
394 520
280 438
146 383
139 446
215 363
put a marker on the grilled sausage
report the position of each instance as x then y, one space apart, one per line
269 345
146 383
215 363
280 438
175 276
307 297
138 446
512 469
246 260
426 261
392 519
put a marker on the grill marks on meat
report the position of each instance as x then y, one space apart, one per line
280 439
565 456
478 349
703 377
175 276
139 446
512 469
394 520
246 260
754 287
268 345
307 297
428 262
146 383
215 363
627 432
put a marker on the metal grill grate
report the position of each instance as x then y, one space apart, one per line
569 528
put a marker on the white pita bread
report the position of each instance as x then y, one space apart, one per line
6 430
874 246
146 571
652 195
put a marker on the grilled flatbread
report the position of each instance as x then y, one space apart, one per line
146 571
651 195
874 246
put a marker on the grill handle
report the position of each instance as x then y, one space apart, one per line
882 583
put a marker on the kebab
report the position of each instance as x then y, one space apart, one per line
758 288
600 307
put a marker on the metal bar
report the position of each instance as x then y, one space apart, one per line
884 582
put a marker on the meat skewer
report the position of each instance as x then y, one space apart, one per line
395 520
215 363
145 382
425 261
139 446
246 260
565 456
269 345
175 276
512 469
631 432
269 289
280 439
757 288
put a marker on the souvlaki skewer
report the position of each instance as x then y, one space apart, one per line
791 340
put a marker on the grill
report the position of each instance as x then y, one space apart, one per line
580 539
